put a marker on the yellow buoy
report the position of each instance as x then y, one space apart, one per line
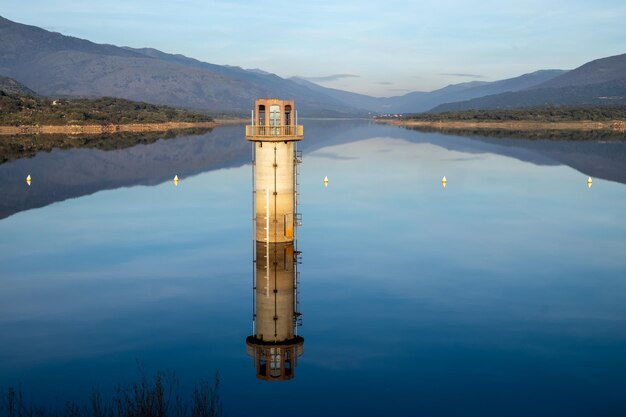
175 179
589 182
28 180
444 181
325 181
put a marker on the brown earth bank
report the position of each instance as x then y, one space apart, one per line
614 125
104 128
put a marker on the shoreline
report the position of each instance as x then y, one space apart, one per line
618 126
110 128
614 125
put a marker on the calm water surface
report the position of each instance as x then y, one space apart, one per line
502 294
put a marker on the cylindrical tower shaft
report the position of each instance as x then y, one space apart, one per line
274 179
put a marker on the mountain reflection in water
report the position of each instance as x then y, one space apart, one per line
63 174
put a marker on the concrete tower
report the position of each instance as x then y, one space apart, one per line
275 344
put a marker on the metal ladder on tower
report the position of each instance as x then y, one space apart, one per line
297 255
253 239
296 180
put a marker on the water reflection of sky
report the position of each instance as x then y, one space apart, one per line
502 294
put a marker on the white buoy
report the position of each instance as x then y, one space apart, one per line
589 182
175 179
325 181
28 180
444 181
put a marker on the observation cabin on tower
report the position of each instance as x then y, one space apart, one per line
274 120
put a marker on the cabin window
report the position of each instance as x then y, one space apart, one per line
275 119
262 364
275 362
287 115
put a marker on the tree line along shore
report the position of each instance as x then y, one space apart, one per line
539 118
35 115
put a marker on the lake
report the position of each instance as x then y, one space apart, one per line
502 294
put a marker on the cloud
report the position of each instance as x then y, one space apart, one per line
462 74
467 158
332 155
332 77
384 83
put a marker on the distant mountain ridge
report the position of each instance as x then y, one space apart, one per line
55 65
599 82
423 101
598 71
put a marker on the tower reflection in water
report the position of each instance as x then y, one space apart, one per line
275 344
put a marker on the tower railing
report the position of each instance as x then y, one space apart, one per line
268 131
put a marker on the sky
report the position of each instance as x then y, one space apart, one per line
380 48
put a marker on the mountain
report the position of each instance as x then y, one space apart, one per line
414 102
599 82
56 65
419 101
599 71
519 83
272 85
362 101
11 87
